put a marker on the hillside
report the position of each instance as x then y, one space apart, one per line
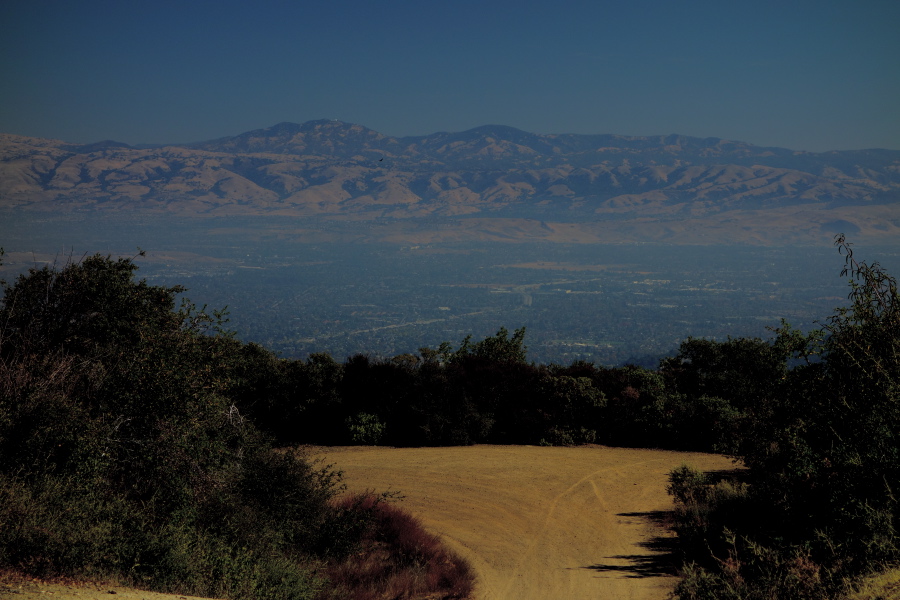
539 523
491 182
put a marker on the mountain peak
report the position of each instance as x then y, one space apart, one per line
327 124
97 146
324 137
498 130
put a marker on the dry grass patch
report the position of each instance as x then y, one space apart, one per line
882 586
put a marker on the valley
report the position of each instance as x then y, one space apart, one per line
606 303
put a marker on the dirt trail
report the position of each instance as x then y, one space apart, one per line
538 523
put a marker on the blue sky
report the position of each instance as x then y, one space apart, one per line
808 75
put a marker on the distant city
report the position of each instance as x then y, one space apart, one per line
609 304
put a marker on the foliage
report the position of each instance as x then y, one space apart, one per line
821 446
365 429
486 392
127 448
499 347
397 559
832 459
85 307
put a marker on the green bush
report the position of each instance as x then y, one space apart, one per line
365 429
688 485
124 454
57 524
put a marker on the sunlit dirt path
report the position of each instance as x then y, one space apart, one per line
538 523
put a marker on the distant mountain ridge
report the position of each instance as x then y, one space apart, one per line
492 178
339 139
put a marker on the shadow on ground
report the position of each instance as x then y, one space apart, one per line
661 563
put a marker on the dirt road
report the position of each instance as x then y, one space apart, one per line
538 523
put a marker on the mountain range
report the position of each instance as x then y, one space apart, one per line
491 182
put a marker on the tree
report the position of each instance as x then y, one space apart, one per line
823 458
123 450
853 432
499 347
87 305
573 409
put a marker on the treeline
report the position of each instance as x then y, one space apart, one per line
487 392
125 453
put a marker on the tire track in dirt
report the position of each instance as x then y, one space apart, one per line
550 513
537 523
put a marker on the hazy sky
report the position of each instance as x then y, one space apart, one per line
808 75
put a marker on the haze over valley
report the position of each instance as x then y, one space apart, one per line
331 237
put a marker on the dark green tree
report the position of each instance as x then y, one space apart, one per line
88 305
123 448
498 348
822 448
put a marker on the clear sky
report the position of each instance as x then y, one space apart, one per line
802 74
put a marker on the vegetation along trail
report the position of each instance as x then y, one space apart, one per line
541 523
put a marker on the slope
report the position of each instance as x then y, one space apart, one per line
538 523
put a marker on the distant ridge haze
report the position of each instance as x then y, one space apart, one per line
490 182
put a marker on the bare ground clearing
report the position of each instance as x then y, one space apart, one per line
538 523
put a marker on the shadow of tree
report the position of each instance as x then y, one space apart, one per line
661 563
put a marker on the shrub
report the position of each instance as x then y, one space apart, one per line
568 437
397 559
57 525
365 429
